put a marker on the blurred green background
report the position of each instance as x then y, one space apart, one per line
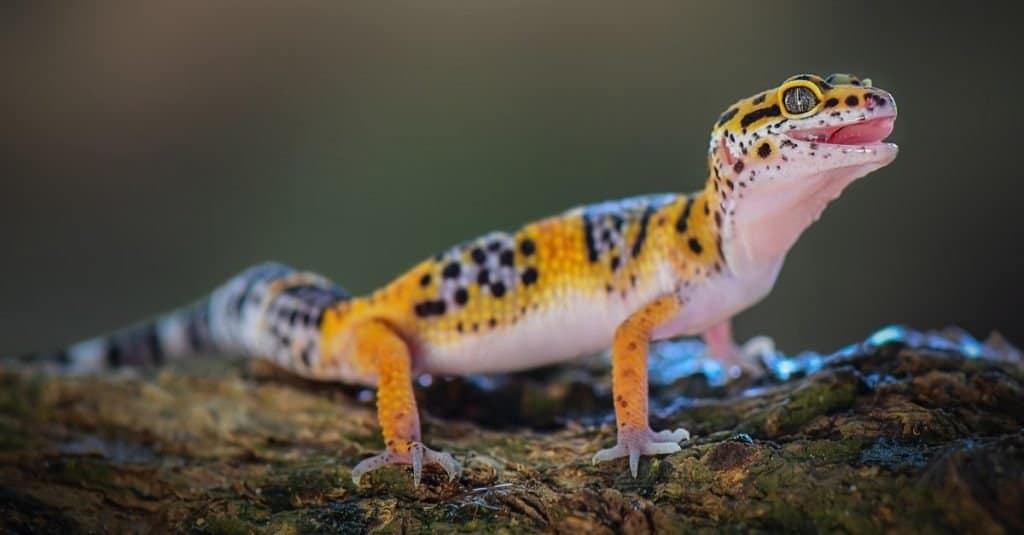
154 149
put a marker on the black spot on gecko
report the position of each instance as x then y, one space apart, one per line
738 167
852 100
695 246
425 279
507 258
461 296
765 150
425 309
832 102
684 216
529 276
759 99
452 270
588 236
479 256
614 263
195 339
760 113
641 235
527 247
498 289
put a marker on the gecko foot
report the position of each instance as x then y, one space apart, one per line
416 456
748 358
637 442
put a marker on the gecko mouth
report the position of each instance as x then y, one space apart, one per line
868 132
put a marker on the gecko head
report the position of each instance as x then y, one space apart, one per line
807 128
779 157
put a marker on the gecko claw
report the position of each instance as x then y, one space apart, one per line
417 455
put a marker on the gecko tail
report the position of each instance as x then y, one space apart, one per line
269 310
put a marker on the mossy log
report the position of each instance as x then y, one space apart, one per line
894 439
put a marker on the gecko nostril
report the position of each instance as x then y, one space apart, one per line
876 100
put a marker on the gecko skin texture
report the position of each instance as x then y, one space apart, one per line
616 274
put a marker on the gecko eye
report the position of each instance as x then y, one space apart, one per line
799 100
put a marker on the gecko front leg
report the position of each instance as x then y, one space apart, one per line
629 387
396 405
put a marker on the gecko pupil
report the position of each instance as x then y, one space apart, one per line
799 100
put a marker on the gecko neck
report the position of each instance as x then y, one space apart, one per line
761 222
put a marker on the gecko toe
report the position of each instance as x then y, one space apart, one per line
369 465
609 454
678 435
445 461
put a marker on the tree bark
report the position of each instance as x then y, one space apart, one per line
893 439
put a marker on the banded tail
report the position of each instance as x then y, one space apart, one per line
269 311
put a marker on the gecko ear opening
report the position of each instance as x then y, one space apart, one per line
724 154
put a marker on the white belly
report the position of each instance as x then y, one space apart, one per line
578 326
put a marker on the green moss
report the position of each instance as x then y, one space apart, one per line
827 451
513 446
332 518
814 398
224 526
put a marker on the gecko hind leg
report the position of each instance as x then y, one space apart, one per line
396 406
629 387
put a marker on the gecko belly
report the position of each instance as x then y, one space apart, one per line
563 331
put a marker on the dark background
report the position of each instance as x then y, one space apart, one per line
152 150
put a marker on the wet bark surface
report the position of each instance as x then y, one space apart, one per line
889 439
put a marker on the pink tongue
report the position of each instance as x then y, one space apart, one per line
869 132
